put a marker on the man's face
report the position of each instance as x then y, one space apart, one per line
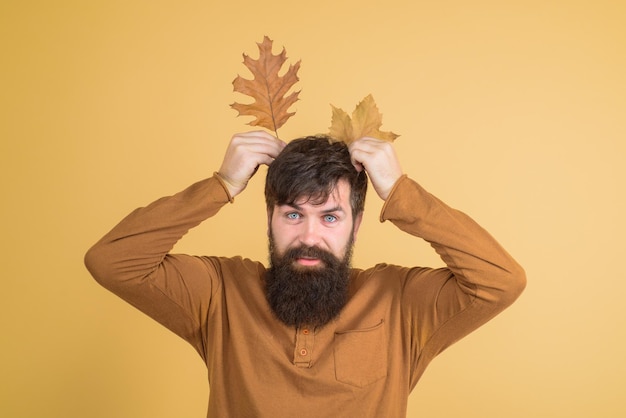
328 226
310 251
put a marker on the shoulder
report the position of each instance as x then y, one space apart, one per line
384 274
381 274
236 264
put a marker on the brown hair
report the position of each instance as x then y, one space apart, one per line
311 167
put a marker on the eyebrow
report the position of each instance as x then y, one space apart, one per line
329 210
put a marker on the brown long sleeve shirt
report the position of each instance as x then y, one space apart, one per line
365 363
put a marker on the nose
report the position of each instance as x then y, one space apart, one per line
310 233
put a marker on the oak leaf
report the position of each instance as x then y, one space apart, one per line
268 88
366 120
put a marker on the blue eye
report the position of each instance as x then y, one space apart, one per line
293 215
330 218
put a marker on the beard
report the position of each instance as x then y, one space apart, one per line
307 296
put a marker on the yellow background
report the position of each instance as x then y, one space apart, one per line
513 111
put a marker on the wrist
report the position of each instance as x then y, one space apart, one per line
228 188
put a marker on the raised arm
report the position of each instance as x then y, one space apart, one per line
480 279
133 260
473 256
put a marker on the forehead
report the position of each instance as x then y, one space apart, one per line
339 196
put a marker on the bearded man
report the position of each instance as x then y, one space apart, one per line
310 335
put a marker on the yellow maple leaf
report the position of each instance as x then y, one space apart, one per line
366 120
267 88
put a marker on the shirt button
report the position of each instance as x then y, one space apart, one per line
303 352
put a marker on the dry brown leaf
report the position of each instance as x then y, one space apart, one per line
270 106
366 121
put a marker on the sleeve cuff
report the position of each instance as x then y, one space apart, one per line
391 196
221 182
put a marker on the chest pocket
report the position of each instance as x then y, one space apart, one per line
361 355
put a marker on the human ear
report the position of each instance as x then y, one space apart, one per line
270 212
357 223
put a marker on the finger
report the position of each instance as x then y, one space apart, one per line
256 144
357 165
259 134
371 145
262 150
262 137
360 157
265 160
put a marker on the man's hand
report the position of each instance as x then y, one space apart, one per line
245 153
379 160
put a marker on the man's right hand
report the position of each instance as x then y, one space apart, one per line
245 153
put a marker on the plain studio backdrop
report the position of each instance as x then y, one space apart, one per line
512 111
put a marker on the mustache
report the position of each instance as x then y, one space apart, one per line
304 251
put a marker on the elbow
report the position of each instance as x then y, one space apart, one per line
514 283
96 262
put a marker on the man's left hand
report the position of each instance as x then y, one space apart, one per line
378 158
